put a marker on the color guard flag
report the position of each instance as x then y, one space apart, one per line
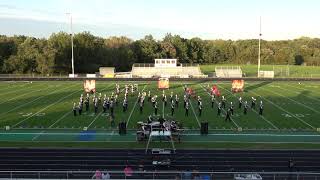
163 83
237 85
215 90
89 86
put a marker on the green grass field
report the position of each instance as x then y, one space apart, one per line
42 112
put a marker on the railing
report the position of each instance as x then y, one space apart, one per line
158 175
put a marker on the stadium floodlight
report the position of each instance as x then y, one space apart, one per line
71 33
259 49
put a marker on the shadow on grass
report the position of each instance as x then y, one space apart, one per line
253 87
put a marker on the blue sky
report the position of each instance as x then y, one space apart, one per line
207 19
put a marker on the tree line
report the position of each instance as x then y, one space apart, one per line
22 54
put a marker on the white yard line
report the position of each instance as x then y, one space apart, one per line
58 120
95 118
20 90
135 104
46 107
21 95
221 108
293 101
265 119
34 138
24 104
14 87
279 107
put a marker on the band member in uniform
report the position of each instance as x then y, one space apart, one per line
219 109
177 100
245 107
156 108
111 107
96 107
104 105
228 115
172 108
213 99
261 108
187 109
231 108
240 102
149 96
80 108
124 105
86 102
108 103
253 103
200 108
141 106
223 102
184 100
74 109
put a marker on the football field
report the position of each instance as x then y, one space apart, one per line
42 111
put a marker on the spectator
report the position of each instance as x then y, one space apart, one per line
128 171
106 175
97 175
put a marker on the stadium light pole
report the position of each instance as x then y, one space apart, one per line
71 31
259 48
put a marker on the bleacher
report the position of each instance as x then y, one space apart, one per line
28 159
228 71
149 70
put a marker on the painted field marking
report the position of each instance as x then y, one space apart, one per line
135 104
274 126
35 137
95 118
301 93
20 89
293 101
24 104
279 107
46 107
221 108
58 120
13 87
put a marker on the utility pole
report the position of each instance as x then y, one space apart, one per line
259 49
71 31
